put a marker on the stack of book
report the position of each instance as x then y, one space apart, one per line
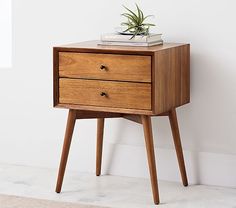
126 40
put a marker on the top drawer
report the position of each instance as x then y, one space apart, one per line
105 66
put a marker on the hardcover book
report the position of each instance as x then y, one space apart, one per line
116 43
128 38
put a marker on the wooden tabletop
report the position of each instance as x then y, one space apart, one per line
87 46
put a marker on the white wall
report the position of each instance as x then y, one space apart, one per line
31 130
5 34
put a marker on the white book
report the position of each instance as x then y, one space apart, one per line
115 43
127 38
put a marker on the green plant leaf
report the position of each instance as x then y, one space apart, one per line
148 24
135 22
148 17
130 17
139 15
129 28
135 33
125 24
130 11
142 15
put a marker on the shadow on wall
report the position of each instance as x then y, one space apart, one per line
206 124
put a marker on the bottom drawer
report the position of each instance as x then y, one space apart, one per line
105 93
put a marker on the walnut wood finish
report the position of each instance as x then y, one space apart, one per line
171 86
80 114
147 127
66 147
145 120
169 70
105 109
100 130
116 94
93 47
134 118
135 83
105 66
178 146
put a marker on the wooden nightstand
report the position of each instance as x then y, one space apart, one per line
131 82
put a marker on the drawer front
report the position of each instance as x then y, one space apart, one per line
105 66
105 93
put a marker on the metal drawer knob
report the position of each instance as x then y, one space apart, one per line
103 94
103 67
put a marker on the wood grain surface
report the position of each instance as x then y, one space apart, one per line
166 67
99 145
147 128
134 83
117 94
66 148
93 47
115 67
171 79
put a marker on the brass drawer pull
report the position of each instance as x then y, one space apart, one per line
103 94
103 67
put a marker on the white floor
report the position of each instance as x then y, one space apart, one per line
110 191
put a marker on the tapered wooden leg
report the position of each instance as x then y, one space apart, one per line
147 127
100 130
178 146
66 147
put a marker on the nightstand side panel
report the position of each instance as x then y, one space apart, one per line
171 78
185 74
55 77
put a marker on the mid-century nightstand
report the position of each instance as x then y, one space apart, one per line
134 83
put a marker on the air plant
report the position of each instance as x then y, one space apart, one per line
135 22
